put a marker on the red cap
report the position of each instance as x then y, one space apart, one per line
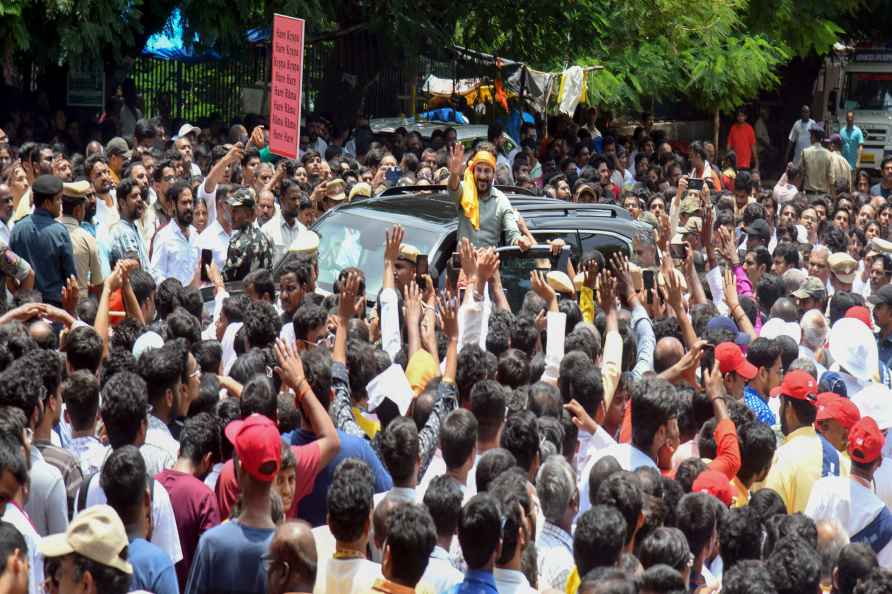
799 385
258 445
716 484
833 406
865 441
859 312
731 358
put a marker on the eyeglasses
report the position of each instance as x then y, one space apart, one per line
168 178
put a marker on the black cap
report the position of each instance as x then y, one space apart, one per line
884 295
758 228
46 185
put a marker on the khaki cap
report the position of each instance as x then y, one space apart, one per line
843 266
560 282
306 242
409 253
96 533
75 191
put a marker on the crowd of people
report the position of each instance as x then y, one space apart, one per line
706 412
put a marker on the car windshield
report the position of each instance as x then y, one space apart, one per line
347 239
869 91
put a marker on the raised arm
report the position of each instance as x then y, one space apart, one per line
215 175
390 323
291 371
676 301
112 283
456 166
412 301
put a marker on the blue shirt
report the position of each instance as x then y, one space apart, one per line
124 238
44 242
759 406
228 560
476 582
152 568
312 507
851 140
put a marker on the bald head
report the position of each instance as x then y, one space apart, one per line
785 309
292 544
381 519
668 352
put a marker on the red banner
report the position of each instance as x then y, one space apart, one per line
287 74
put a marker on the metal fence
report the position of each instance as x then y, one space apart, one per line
201 90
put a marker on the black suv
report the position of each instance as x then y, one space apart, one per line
353 234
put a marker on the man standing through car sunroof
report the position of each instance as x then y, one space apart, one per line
484 212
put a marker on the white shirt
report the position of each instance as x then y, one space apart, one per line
554 548
90 453
48 502
4 231
174 254
160 449
511 581
345 576
629 458
800 134
211 479
851 503
406 494
440 575
20 522
164 535
216 239
107 215
281 235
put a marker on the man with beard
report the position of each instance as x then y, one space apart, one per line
284 227
266 207
805 456
78 204
62 168
175 249
484 212
99 175
123 238
249 248
158 213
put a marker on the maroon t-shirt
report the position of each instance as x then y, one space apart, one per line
195 509
308 459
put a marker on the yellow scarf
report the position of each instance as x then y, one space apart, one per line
469 203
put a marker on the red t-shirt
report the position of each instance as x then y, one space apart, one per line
195 509
308 458
741 138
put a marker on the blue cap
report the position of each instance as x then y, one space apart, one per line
831 381
724 322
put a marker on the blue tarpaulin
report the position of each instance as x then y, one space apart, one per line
168 43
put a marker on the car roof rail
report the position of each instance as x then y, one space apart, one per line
403 190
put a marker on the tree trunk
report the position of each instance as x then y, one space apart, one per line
715 132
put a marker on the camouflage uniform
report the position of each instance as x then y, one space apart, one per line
249 249
11 265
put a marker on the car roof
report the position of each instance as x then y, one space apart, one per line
435 210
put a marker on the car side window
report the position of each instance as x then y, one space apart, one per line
571 238
605 243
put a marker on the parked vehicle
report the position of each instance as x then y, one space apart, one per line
353 234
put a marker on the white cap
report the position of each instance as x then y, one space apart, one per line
147 342
854 348
188 128
777 327
875 400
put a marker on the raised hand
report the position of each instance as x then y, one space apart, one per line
70 295
393 239
540 286
412 299
606 291
468 258
347 297
487 264
457 160
449 315
290 367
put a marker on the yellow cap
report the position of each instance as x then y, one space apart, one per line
361 189
96 533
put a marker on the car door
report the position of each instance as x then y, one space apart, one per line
606 242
